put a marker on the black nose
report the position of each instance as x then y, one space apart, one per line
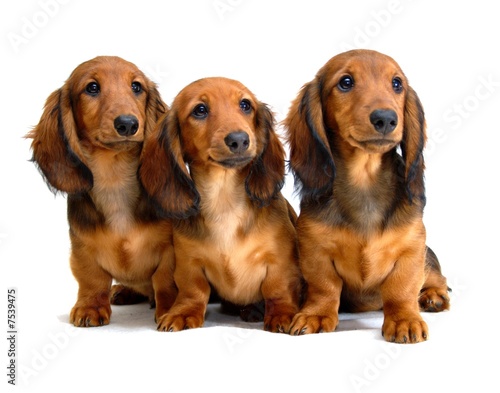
237 141
126 125
384 120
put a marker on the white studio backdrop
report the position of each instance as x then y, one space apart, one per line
449 51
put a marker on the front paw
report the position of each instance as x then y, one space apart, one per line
434 300
304 323
411 329
279 323
171 322
90 315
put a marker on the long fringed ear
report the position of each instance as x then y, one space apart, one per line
412 146
155 108
267 173
163 172
311 159
56 148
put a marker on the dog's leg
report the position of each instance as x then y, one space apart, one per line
92 307
281 291
190 305
400 289
163 284
320 310
434 294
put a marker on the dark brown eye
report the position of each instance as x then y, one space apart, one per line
397 85
346 83
245 106
136 87
93 89
200 111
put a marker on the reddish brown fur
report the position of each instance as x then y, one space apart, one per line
115 234
235 229
361 235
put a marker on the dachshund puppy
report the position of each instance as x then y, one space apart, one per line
361 237
88 144
233 229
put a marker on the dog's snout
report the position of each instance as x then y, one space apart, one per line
384 120
237 142
126 125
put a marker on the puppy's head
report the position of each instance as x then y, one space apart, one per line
360 99
364 100
215 123
106 103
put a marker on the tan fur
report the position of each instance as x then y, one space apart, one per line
114 233
116 189
238 236
223 206
360 230
363 169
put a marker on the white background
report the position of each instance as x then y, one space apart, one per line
449 51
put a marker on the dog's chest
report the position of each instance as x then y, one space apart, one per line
115 193
224 224
233 261
236 266
364 205
133 256
225 213
368 209
364 261
360 209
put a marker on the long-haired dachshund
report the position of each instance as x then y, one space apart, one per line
234 230
88 144
361 237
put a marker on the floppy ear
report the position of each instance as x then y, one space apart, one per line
310 156
267 173
163 172
412 146
56 148
155 107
